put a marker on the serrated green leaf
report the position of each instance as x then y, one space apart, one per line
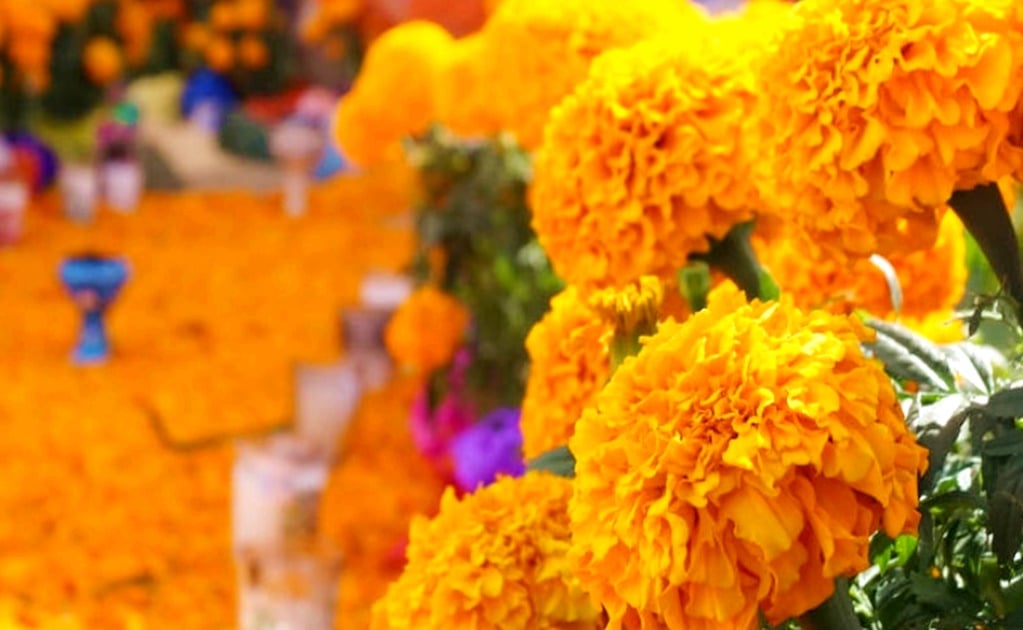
926 351
559 461
903 365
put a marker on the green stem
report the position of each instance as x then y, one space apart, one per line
834 614
734 256
983 213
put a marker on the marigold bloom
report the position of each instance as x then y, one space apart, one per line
569 363
465 104
495 559
427 329
102 61
394 94
880 109
741 461
536 51
932 281
646 160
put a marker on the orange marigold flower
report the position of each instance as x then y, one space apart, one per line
427 329
394 94
880 109
102 61
465 104
741 461
219 54
497 558
645 161
569 364
252 52
570 360
536 51
932 281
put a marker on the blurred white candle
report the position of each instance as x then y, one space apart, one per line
122 184
80 189
14 198
325 401
286 592
277 485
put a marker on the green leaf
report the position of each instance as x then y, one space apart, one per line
1005 511
938 443
903 365
920 347
1007 403
559 461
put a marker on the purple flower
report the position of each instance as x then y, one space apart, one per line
491 447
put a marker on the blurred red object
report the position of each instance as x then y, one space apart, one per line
271 109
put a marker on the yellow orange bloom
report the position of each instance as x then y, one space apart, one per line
880 109
569 364
645 161
465 104
536 51
427 329
252 52
393 96
102 61
220 54
741 461
495 559
932 281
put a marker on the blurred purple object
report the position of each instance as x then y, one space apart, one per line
43 159
491 447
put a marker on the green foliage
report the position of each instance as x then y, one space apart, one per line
474 211
965 567
559 461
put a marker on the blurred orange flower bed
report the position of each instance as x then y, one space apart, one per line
101 520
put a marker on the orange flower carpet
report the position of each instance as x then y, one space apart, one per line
115 480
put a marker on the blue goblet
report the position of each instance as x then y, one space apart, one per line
93 282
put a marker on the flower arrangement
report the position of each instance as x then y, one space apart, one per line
794 456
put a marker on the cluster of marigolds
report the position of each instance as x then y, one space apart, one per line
736 460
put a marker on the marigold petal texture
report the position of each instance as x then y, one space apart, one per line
495 559
569 364
647 160
740 462
877 110
394 94
536 51
426 330
931 282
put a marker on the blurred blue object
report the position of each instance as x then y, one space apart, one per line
93 283
330 164
209 96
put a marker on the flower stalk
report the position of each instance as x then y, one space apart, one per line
983 213
734 256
